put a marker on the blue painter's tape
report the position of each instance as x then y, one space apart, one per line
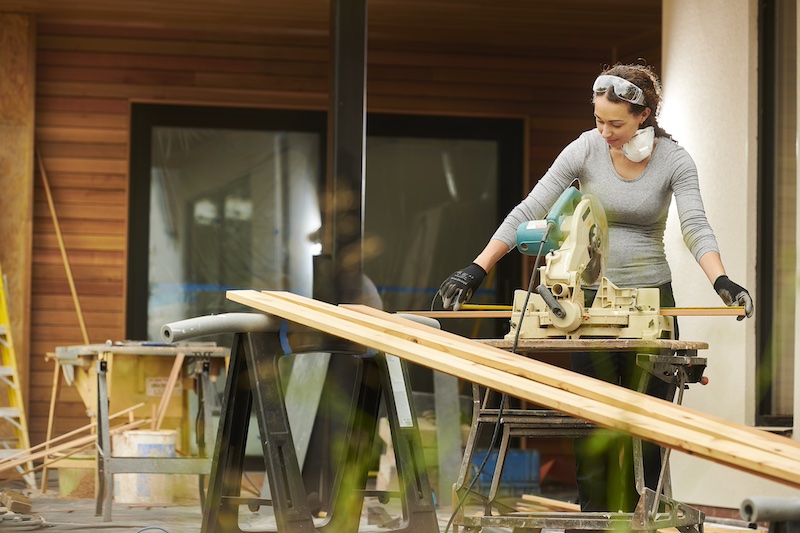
283 334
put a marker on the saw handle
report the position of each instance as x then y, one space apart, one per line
551 301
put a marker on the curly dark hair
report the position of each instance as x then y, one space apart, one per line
646 79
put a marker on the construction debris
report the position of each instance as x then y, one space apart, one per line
16 502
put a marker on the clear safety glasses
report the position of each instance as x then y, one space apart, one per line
622 88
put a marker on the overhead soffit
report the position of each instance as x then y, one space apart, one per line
524 27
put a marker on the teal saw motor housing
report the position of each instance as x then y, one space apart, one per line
531 233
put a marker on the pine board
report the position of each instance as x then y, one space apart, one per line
570 393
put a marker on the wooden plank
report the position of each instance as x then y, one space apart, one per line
46 444
75 133
170 47
88 198
103 182
740 455
94 165
84 119
561 377
104 59
75 226
550 503
82 242
81 441
618 396
240 97
506 314
77 211
175 372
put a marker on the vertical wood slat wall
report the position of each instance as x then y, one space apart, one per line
87 76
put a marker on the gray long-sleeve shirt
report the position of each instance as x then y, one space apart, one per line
636 209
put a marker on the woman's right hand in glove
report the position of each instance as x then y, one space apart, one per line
459 287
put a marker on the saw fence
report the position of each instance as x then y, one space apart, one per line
669 425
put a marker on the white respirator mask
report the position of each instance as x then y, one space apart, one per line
640 146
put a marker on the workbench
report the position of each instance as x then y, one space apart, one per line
144 373
675 362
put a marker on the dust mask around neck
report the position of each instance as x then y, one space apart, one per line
640 146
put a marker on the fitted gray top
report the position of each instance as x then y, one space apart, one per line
636 209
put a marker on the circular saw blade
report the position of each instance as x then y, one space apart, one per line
598 243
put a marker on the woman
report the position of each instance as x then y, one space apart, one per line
634 168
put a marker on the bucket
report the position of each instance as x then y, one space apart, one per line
144 488
75 475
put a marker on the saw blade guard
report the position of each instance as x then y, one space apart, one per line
595 268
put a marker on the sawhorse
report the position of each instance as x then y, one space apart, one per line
254 384
655 509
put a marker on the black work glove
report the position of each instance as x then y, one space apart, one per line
461 285
733 294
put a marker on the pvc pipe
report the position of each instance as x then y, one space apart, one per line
770 509
203 326
424 320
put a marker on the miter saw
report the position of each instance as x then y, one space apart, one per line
574 241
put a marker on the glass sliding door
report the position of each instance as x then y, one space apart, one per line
222 206
436 190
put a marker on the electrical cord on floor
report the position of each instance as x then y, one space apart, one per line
504 396
152 528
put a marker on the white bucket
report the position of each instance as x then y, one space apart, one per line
143 488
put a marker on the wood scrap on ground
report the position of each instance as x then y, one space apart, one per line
534 503
16 502
667 424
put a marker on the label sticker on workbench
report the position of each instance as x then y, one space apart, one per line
155 387
399 391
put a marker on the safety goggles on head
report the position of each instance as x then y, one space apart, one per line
624 89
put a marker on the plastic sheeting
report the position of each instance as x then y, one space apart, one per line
229 209
431 207
240 209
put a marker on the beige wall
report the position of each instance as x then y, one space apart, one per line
711 101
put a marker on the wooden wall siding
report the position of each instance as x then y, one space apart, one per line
87 75
17 104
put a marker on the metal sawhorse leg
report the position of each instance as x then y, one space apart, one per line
254 384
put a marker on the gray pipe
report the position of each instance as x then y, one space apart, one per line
770 509
425 320
203 326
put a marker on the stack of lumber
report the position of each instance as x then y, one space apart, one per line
667 424
532 503
68 444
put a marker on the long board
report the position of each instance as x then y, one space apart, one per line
734 445
506 313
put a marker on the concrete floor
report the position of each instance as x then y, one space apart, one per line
53 512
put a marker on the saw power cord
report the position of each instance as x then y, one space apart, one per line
504 396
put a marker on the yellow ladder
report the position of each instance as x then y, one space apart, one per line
14 414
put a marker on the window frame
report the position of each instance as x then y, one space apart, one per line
508 132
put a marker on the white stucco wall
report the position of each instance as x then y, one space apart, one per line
709 75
